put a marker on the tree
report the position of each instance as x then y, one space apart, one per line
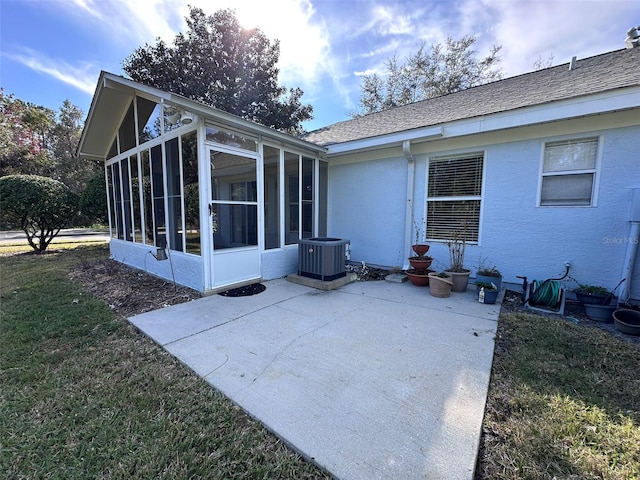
34 140
39 206
221 64
428 73
93 201
69 168
541 64
25 139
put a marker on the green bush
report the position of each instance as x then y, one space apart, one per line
93 201
39 206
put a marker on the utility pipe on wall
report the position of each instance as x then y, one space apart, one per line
408 219
632 245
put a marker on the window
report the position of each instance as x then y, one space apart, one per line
147 202
271 197
454 195
148 120
568 173
127 131
135 198
191 192
157 189
230 138
307 197
174 194
292 197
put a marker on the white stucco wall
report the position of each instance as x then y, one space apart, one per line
188 269
279 262
367 200
367 206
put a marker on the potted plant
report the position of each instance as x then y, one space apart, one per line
593 295
420 249
487 292
489 275
419 278
599 302
459 274
440 284
420 263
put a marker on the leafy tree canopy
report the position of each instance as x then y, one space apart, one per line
430 72
35 140
219 63
39 206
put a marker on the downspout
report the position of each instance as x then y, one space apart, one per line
632 245
408 218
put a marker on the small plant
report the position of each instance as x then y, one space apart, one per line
593 289
417 229
486 271
487 286
457 246
443 275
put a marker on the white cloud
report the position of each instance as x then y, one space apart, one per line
83 78
528 30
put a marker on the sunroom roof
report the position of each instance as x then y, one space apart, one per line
112 99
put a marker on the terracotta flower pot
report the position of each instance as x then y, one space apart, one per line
439 286
420 263
420 249
420 278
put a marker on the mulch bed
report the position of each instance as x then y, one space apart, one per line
128 291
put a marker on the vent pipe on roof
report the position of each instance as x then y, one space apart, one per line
633 37
572 63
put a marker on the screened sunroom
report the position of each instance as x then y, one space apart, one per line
200 196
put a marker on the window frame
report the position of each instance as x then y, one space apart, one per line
593 171
457 198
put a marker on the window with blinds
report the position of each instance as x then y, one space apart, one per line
454 196
568 173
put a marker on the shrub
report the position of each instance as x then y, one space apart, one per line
93 201
39 206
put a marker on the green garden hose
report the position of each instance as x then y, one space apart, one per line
545 293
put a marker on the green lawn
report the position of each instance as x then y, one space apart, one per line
84 396
564 402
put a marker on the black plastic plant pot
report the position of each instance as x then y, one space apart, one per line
588 298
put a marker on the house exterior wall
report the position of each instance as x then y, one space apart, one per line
367 206
188 270
279 263
519 237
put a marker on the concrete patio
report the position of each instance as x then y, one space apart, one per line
373 380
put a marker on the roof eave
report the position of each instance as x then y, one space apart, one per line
587 105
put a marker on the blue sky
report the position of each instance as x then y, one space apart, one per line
52 50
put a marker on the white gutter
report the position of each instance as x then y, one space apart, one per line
369 143
408 215
632 245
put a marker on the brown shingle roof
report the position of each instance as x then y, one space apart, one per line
600 73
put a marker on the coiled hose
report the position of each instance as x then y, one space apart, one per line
545 293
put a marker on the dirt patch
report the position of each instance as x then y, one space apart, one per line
126 290
367 273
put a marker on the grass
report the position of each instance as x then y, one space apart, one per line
564 402
83 395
